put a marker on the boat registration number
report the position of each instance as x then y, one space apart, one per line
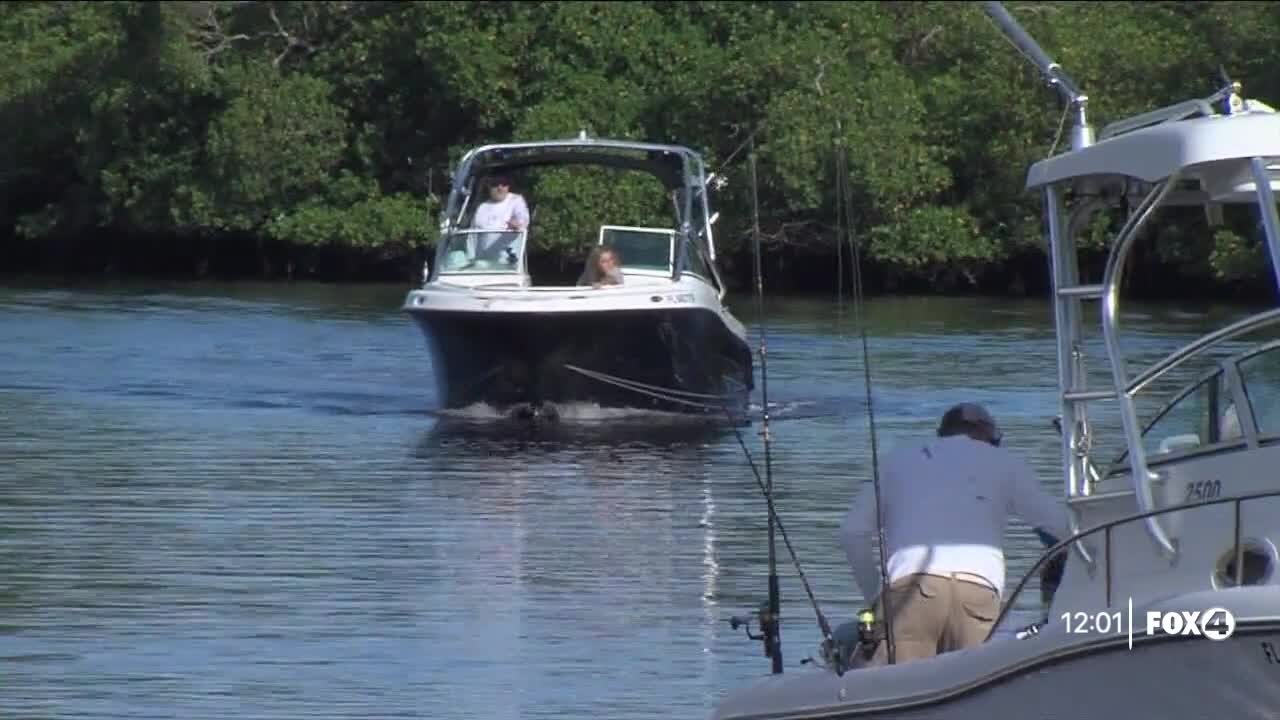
1203 490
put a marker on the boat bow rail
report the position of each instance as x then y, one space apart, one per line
638 294
1248 562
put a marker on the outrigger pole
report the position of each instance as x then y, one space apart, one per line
1081 132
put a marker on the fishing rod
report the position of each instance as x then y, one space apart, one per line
844 213
770 629
769 614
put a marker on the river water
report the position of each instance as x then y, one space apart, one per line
234 501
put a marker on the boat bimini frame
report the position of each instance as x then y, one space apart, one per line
679 169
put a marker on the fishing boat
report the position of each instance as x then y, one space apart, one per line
663 340
1169 603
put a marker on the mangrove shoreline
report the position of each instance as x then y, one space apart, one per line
787 271
275 140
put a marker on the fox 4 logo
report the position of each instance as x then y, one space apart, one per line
1215 623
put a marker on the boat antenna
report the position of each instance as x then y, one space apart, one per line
844 220
1082 134
771 630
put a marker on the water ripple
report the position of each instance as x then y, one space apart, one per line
223 501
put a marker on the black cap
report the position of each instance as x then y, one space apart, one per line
971 414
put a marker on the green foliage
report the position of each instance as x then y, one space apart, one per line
275 144
932 240
572 203
390 221
1234 259
336 123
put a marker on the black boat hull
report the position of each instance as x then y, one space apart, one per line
681 360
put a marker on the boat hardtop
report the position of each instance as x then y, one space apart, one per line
1199 147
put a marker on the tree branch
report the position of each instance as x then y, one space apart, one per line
210 35
291 41
309 34
928 37
1036 9
796 233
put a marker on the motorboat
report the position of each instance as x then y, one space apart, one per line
663 340
1169 601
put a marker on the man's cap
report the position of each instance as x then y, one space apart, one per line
973 414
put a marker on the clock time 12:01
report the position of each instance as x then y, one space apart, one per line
1099 623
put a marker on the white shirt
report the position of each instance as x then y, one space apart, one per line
945 504
493 215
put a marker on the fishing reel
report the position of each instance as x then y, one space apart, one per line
854 643
870 633
859 646
767 622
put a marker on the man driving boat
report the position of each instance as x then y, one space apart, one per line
945 504
503 211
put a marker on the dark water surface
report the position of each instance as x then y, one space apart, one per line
234 501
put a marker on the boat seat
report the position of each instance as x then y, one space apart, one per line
1179 442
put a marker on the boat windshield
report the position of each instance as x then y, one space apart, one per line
1211 414
483 251
641 248
1260 381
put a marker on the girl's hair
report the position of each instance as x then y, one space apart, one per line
592 274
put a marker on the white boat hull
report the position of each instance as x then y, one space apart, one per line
658 346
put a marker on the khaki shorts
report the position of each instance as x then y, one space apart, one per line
934 614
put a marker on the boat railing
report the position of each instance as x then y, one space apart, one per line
1195 348
1112 275
1123 388
1106 530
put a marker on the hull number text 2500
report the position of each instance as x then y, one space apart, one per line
1203 490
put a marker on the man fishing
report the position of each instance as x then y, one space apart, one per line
945 503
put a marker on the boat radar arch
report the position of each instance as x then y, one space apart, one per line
1221 149
1187 154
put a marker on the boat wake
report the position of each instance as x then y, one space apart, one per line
566 412
592 413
